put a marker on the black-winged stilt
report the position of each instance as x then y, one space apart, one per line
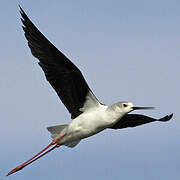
88 115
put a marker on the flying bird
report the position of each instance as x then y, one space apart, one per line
88 115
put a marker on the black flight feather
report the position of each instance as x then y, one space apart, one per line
62 74
132 120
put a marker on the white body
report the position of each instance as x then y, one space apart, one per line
90 123
95 117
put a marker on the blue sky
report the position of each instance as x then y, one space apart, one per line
127 50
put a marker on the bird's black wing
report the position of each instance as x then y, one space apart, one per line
62 74
132 120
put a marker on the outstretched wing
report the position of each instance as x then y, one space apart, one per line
132 120
62 74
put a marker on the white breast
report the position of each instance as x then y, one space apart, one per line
89 123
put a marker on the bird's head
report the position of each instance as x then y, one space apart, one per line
126 107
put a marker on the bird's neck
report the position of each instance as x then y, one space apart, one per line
115 112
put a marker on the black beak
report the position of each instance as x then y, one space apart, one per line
139 108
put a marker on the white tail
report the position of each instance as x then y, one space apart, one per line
57 130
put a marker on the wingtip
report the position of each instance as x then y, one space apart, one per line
24 18
171 115
23 14
166 118
20 8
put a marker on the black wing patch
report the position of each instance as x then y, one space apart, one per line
132 120
62 74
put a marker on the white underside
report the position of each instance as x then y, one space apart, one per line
86 124
95 118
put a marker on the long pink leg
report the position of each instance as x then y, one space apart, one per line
29 161
56 146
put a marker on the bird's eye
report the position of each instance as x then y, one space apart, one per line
125 105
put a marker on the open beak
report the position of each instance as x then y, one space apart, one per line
139 108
